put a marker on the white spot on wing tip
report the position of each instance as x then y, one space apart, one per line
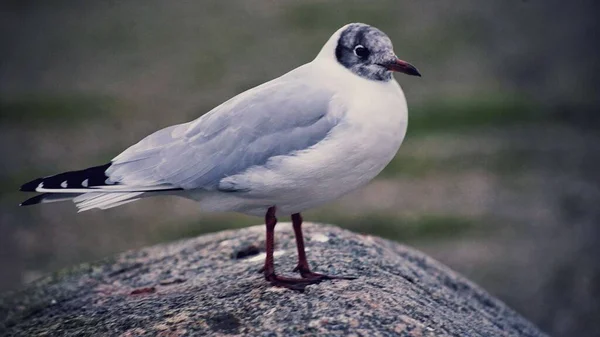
63 184
84 183
40 186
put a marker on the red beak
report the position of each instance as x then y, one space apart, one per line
402 67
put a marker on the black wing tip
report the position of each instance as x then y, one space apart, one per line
31 186
95 176
33 201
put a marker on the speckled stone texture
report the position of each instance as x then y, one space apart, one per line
210 285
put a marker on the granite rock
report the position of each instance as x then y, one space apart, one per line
210 285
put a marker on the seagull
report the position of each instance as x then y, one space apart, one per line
308 137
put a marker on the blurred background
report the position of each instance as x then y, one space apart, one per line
498 177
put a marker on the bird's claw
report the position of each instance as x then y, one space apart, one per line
309 275
297 284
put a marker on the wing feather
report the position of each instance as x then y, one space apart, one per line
274 119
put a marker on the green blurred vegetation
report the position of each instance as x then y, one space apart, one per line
504 162
310 16
40 110
457 114
405 228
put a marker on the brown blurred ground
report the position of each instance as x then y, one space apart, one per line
498 177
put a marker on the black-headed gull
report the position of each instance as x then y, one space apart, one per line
296 142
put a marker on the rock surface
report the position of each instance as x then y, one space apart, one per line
210 285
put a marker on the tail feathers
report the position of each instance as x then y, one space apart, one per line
92 200
93 176
48 198
86 201
89 189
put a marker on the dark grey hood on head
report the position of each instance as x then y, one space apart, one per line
368 52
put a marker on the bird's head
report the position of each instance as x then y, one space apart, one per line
367 52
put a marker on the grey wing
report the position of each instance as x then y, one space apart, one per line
277 118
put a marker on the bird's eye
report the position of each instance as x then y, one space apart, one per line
361 51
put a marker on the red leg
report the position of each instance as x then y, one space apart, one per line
303 266
269 268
